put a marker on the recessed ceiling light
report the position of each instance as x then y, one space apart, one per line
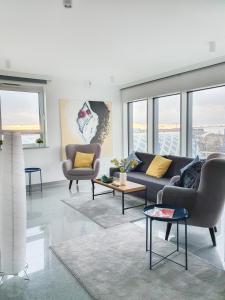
67 3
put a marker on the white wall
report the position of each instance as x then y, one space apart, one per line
49 159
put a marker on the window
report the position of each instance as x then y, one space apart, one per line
206 121
23 109
167 125
138 126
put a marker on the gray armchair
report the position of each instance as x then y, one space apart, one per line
77 174
204 205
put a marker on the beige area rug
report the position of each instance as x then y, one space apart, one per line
112 265
106 210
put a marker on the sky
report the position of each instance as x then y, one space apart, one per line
19 108
208 108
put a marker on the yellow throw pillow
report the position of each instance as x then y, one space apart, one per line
159 166
83 160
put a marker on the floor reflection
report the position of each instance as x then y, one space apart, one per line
50 221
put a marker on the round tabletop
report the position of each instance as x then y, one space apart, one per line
179 213
30 170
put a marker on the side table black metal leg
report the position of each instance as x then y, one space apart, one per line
150 247
29 183
93 190
146 234
186 258
41 179
123 203
177 236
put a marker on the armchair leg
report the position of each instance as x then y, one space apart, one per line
168 228
70 185
93 189
77 181
212 233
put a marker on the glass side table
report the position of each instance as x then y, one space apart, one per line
180 215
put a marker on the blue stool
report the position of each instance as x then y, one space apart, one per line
29 171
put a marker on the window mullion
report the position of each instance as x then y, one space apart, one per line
150 125
189 123
155 125
184 124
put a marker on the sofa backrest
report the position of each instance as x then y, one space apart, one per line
146 159
178 162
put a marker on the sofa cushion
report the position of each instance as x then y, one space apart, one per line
154 185
146 159
190 177
83 160
81 172
142 178
189 165
178 162
132 156
158 167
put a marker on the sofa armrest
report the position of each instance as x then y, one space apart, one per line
96 168
179 197
113 170
67 166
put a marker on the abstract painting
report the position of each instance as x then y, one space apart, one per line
86 122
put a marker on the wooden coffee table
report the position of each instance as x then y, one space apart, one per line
129 188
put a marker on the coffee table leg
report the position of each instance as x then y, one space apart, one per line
123 203
186 258
150 253
113 192
146 234
146 201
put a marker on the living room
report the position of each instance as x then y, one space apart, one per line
112 117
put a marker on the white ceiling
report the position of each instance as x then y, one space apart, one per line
98 39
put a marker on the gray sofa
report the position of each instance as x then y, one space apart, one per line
154 185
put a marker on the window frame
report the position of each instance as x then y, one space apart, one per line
130 121
40 89
185 120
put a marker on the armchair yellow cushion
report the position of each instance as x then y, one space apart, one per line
83 160
158 167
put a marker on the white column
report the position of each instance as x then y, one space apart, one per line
13 206
125 125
